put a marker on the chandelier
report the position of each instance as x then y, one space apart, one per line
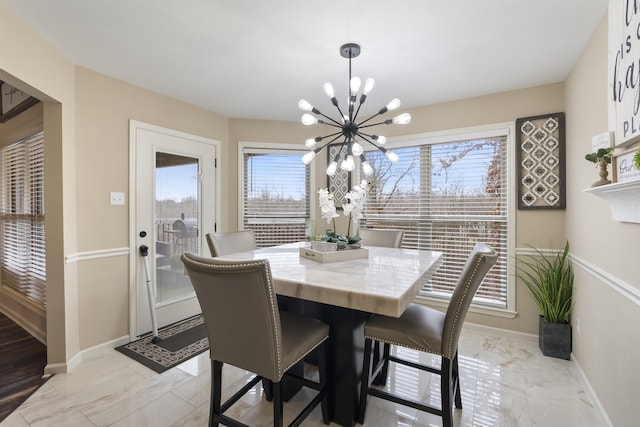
347 125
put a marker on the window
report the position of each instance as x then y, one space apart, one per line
23 266
275 195
447 193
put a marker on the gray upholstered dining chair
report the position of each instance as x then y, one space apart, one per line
427 330
228 243
385 238
246 330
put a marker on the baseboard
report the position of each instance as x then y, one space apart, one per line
591 393
63 368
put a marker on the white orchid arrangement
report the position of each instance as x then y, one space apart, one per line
352 208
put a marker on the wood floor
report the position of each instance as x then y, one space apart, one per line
22 362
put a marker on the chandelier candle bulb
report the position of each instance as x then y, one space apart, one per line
393 157
366 167
368 87
354 85
379 139
348 164
328 89
306 159
331 169
308 119
394 104
402 119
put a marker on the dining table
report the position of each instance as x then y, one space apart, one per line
343 294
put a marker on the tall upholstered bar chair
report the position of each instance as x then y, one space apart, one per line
228 243
246 330
385 238
427 330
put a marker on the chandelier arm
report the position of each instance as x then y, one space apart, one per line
380 148
386 122
339 111
366 137
337 123
327 143
356 114
366 120
330 135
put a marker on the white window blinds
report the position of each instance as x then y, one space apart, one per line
446 196
275 195
23 264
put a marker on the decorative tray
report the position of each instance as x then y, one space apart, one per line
333 256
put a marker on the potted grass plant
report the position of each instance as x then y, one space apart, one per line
549 279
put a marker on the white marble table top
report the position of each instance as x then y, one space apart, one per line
384 283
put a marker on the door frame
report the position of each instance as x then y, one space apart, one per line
134 126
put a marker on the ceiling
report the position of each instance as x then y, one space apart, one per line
256 59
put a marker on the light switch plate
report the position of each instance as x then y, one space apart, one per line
117 198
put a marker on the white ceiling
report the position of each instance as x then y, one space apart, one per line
256 59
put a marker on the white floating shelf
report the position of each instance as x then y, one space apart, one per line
623 199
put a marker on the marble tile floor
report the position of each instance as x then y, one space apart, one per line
506 381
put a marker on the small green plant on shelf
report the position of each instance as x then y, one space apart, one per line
601 158
601 154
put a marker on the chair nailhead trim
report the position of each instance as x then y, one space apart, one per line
476 266
424 350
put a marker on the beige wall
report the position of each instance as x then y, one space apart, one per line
607 343
104 108
32 65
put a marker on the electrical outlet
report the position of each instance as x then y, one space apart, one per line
117 198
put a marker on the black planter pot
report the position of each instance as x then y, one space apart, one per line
555 339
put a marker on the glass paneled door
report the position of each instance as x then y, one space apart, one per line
174 210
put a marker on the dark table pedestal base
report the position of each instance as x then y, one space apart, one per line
344 362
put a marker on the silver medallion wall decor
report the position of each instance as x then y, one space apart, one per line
540 155
340 183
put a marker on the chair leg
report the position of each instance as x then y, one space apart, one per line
447 392
456 382
322 373
381 378
267 386
216 392
277 404
376 359
384 373
364 383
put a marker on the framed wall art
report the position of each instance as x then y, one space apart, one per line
340 183
624 54
13 101
540 159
